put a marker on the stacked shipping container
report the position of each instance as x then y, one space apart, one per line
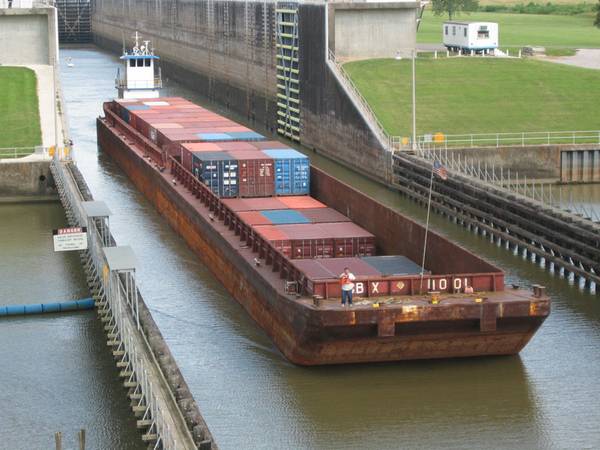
263 186
220 152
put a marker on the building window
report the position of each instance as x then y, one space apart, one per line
465 31
140 62
483 34
132 63
446 30
453 30
147 62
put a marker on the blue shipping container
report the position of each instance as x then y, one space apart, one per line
218 171
137 107
246 136
284 216
292 171
214 137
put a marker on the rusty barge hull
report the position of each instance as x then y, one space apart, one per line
327 334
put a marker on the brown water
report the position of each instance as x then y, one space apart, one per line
56 373
251 397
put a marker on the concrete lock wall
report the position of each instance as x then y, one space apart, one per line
567 163
330 123
31 180
541 162
372 30
226 50
28 36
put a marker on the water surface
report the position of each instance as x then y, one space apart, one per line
251 397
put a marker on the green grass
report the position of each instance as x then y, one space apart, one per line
560 52
523 29
19 114
477 95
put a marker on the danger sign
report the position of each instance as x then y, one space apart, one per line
67 239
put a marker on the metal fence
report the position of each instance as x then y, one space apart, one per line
21 152
439 140
117 294
545 193
26 3
391 143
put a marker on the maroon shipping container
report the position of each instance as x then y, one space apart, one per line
256 177
323 240
325 269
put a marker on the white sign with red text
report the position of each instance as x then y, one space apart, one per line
68 239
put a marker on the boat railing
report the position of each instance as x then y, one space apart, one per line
150 149
375 286
270 256
123 83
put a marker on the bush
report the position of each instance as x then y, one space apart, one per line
540 8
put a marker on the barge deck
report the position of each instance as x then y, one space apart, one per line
314 330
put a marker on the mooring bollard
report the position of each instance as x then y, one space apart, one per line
58 440
81 436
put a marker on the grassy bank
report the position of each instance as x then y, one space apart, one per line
19 114
475 95
523 29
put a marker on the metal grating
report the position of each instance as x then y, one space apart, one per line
74 21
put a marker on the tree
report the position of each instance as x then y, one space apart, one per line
597 21
453 7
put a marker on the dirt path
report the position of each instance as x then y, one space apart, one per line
585 57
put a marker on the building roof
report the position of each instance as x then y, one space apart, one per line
453 22
140 57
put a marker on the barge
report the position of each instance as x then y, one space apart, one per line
280 255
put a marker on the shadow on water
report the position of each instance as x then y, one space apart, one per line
252 397
420 404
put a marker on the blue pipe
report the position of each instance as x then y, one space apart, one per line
40 308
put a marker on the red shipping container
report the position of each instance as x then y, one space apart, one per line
253 218
323 240
219 146
324 215
301 202
319 269
293 247
256 176
264 204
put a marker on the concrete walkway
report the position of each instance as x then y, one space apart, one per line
588 58
45 91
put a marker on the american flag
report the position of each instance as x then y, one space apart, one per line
440 170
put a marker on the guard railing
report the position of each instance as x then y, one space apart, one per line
391 143
131 344
518 139
548 194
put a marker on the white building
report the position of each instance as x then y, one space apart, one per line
467 36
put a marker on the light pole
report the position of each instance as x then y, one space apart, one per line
414 97
414 101
55 111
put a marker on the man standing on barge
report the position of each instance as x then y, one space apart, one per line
346 282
